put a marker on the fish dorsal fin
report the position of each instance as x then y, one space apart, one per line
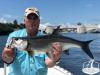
56 30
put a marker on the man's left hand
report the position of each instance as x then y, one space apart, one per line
57 49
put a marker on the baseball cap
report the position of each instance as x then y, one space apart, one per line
32 10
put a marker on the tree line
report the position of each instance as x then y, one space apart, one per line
6 28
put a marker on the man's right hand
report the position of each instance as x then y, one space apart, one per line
8 55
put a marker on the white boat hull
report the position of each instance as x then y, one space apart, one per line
56 70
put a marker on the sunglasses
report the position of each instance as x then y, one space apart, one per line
32 16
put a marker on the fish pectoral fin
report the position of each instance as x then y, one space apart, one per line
66 52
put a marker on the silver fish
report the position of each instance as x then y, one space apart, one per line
44 42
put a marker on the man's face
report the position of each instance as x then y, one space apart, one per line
32 22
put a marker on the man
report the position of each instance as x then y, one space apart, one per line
21 62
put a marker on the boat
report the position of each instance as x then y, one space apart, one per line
56 70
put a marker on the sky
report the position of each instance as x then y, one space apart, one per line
53 11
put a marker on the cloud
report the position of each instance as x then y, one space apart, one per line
3 20
44 25
7 16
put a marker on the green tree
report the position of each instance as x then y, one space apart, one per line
79 23
15 22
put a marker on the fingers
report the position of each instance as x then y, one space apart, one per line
8 55
56 47
9 51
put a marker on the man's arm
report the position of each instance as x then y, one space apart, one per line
57 49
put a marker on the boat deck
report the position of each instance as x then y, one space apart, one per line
56 70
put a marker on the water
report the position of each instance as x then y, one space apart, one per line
74 61
2 44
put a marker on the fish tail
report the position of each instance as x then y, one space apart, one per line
86 48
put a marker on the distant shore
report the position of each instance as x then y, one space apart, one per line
6 28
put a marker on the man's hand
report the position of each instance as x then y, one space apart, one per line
55 55
8 55
57 49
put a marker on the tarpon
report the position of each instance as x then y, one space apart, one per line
44 42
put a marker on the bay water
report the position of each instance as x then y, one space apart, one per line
74 61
